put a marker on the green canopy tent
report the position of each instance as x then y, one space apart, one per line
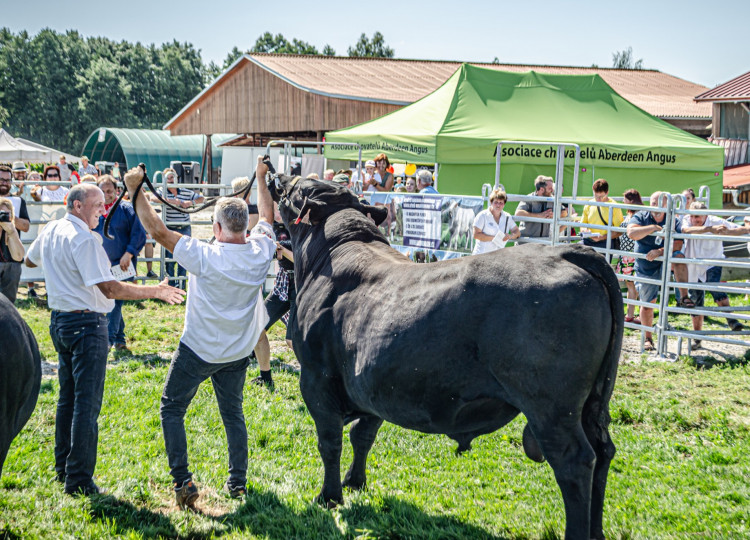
154 147
459 125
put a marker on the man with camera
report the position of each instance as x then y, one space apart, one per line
13 218
224 318
81 291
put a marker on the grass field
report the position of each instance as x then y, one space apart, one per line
681 470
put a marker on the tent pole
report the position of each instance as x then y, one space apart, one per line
497 164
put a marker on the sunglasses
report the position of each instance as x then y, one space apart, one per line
52 175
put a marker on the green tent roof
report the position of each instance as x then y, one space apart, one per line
156 148
464 119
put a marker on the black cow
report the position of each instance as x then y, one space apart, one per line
461 347
20 375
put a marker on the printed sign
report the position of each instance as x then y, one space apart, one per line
428 227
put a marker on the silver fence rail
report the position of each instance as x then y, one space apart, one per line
674 208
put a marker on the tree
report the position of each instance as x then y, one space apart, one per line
624 60
268 43
328 50
375 48
213 70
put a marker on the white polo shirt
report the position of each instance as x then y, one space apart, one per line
225 313
73 261
485 222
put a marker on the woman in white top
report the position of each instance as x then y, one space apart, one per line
50 193
494 227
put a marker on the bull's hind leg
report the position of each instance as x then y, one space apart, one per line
596 427
362 435
329 445
564 444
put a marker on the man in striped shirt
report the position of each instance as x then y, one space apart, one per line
177 221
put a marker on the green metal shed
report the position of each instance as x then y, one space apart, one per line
154 147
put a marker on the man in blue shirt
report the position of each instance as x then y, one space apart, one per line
640 229
424 182
129 239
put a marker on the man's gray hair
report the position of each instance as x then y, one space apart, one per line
424 177
231 214
79 192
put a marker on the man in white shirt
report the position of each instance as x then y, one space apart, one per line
708 249
80 292
224 318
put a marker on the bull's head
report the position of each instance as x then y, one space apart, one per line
313 201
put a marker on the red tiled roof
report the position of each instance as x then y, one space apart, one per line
736 89
735 177
406 81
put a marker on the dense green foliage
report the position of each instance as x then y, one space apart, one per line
57 88
374 47
681 469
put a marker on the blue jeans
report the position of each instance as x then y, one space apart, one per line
116 324
186 372
80 340
185 230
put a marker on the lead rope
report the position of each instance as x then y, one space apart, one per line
193 210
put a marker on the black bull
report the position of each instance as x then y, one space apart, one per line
459 347
20 375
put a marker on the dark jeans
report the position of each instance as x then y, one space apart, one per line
713 275
10 275
116 324
277 307
185 230
186 372
80 340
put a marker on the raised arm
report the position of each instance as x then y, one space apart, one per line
149 219
265 202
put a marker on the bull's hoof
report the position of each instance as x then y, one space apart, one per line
351 484
531 446
328 503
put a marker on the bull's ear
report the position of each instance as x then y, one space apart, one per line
378 213
314 211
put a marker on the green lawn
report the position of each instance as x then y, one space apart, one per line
681 469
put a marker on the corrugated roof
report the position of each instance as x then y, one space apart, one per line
738 89
406 81
153 147
735 177
401 82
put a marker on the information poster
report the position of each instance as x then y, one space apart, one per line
422 221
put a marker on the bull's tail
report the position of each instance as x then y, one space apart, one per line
598 267
595 417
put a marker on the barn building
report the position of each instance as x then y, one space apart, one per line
299 97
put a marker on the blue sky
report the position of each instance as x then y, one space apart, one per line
701 42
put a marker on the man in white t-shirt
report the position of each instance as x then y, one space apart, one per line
80 292
224 318
708 249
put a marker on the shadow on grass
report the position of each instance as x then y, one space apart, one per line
264 515
147 360
127 517
726 361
